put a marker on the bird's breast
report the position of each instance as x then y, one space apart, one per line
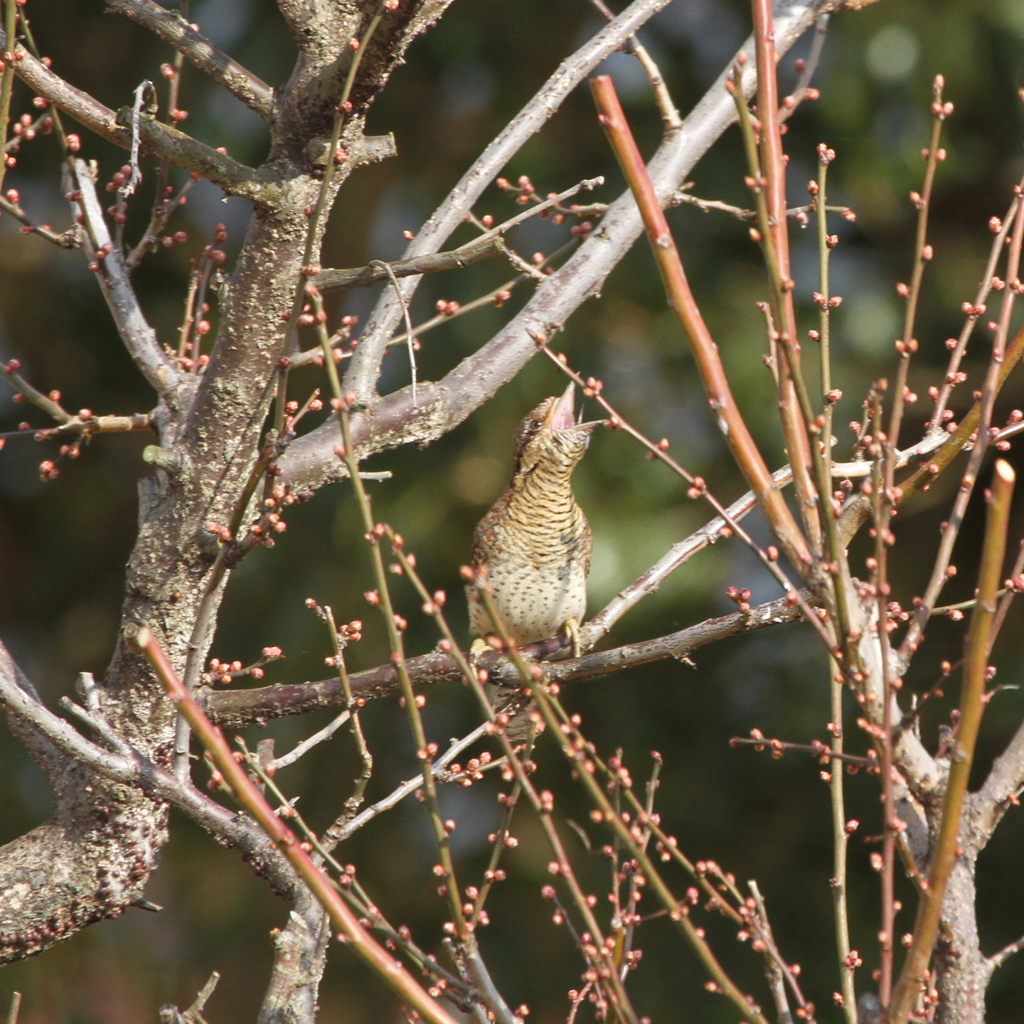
536 543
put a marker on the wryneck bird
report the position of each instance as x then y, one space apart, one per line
535 541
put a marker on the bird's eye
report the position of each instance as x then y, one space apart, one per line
535 424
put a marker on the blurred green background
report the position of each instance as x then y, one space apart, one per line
63 544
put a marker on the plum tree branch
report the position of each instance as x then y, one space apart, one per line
112 275
172 28
310 462
472 251
365 366
259 186
238 708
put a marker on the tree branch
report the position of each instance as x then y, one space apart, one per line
172 28
112 275
365 367
52 882
234 178
258 186
310 462
235 709
473 251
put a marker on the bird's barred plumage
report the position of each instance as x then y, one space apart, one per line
535 541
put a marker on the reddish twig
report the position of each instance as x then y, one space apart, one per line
248 795
822 751
681 299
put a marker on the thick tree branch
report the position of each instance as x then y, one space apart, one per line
455 259
258 186
91 860
319 96
365 367
172 28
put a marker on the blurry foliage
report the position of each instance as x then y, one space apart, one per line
63 545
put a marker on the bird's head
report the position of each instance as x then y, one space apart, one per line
551 436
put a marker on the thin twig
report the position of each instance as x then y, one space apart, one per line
397 795
7 79
246 792
365 366
974 311
820 750
990 389
409 335
971 708
670 118
300 749
998 959
803 88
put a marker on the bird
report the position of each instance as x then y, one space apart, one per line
534 545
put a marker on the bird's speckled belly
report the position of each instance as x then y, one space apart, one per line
535 604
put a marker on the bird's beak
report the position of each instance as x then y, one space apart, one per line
560 415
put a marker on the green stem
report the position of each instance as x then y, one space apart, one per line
7 81
962 755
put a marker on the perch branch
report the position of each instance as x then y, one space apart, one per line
238 708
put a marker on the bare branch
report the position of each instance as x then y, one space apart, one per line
112 275
365 366
310 742
245 792
127 831
705 352
363 277
238 708
310 462
172 28
234 178
472 252
397 795
258 186
998 959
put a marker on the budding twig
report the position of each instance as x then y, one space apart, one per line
246 792
971 707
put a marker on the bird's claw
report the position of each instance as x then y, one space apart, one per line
572 632
476 649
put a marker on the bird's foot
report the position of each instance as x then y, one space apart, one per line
476 649
572 632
